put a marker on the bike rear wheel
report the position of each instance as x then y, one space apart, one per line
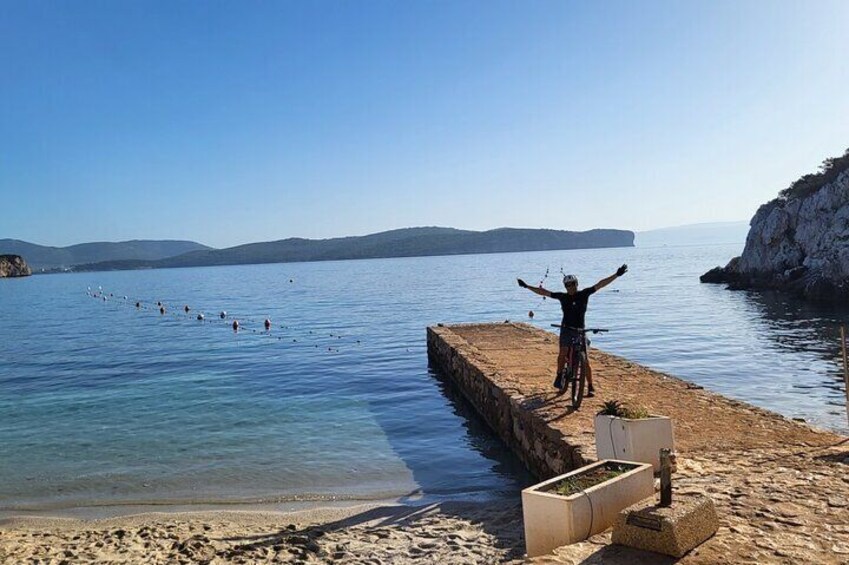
578 379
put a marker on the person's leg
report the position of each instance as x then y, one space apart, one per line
562 355
561 358
590 388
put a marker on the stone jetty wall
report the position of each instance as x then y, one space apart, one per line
541 447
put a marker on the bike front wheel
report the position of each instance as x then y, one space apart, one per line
578 380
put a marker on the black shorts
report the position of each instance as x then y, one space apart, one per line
570 338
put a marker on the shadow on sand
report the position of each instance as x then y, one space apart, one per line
503 524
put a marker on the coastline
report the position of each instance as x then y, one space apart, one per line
106 510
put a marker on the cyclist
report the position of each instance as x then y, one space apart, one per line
573 302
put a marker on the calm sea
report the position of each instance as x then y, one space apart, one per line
104 403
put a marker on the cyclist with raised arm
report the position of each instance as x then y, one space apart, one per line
573 302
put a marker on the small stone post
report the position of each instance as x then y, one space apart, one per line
665 477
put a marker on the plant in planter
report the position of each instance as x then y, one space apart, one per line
621 410
572 507
632 434
582 481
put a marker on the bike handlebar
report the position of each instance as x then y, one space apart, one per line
581 330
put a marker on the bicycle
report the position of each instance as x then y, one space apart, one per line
574 372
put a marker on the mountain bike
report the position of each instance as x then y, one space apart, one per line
574 373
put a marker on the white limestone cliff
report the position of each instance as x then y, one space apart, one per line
798 244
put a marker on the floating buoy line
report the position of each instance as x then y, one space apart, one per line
238 324
542 299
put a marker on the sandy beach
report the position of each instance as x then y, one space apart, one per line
770 513
444 533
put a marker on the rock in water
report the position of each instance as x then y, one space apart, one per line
798 243
14 266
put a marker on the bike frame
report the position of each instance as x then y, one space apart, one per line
574 360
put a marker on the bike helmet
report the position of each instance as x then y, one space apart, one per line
570 279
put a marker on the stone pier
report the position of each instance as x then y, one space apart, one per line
781 487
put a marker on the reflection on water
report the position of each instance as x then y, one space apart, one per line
809 330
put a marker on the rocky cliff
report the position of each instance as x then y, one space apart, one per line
13 266
797 243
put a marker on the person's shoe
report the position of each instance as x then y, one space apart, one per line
590 392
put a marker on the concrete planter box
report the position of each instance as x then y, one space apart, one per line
552 520
633 440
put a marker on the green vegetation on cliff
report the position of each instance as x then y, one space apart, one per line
810 183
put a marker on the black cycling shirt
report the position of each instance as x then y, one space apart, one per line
574 306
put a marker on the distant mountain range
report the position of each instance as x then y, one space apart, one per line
408 242
695 234
41 257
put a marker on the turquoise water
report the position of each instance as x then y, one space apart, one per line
103 403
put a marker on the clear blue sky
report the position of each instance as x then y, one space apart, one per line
235 121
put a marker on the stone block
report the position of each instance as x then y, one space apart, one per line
672 530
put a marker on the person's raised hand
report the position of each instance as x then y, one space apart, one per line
621 270
522 283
